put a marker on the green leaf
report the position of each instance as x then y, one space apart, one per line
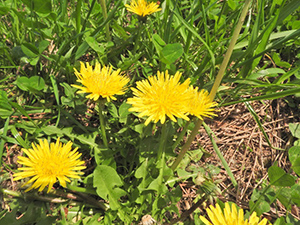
284 196
171 52
295 129
294 156
107 183
81 50
5 107
112 110
40 6
52 130
34 83
295 194
37 83
123 112
43 45
95 45
278 177
262 207
4 10
30 50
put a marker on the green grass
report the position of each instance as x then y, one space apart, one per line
41 43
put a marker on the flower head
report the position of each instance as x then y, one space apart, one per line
230 216
100 82
142 7
45 164
161 96
200 105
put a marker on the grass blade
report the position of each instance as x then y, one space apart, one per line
219 154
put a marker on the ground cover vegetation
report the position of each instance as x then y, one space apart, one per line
144 112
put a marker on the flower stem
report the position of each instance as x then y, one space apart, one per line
102 124
81 189
187 145
104 11
228 54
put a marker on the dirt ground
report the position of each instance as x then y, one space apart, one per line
247 151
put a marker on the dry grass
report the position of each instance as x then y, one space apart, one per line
246 150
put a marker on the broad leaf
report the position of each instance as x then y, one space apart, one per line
278 177
107 183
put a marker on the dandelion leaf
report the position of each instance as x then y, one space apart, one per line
107 183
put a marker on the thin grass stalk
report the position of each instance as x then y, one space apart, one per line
187 145
181 135
104 11
219 154
78 17
162 142
88 15
228 54
102 123
216 83
2 141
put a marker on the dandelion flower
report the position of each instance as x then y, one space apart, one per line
102 82
45 164
142 7
161 96
230 216
200 105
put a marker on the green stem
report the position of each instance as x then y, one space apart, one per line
162 142
81 189
104 11
229 50
217 150
102 124
181 135
187 145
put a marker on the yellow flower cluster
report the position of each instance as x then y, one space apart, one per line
230 216
142 7
45 164
156 98
99 81
164 96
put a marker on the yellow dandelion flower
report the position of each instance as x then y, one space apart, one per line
230 216
161 96
200 105
100 82
142 7
45 164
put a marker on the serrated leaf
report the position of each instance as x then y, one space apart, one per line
107 183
